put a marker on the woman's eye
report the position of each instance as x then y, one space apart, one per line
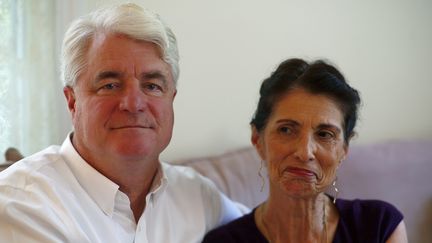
285 130
325 134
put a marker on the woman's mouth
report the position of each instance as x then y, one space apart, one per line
300 172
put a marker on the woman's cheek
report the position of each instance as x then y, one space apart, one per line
327 179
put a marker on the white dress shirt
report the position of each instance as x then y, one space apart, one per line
55 196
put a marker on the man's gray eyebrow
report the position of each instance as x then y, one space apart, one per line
107 74
154 75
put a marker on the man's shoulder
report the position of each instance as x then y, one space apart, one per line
181 173
188 182
41 165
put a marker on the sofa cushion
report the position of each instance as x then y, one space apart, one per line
235 173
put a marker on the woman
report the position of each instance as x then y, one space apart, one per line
302 128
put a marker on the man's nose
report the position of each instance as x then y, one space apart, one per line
305 148
133 99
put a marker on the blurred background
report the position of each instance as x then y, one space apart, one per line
227 48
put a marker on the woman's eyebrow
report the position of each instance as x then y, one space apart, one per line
289 121
329 126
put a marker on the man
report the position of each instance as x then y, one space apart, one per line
105 183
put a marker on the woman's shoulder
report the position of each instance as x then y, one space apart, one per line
242 229
367 208
378 218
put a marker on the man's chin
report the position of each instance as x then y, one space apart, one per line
137 152
137 147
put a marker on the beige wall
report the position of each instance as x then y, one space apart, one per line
227 47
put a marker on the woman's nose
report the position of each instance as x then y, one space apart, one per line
305 148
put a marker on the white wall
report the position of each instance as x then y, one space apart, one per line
227 48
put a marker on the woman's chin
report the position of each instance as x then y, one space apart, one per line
299 188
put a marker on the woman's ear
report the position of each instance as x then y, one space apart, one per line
257 141
345 153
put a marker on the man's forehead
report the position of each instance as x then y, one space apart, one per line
110 40
112 52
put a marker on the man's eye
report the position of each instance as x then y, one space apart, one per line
153 87
110 86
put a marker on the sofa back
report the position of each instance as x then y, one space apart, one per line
398 172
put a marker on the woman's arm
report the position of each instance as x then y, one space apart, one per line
399 235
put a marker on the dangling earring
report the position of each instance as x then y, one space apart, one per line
335 189
261 176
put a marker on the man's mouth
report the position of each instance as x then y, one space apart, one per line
132 127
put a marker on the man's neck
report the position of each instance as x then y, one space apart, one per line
137 187
133 175
134 178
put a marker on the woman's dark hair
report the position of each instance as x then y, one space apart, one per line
317 77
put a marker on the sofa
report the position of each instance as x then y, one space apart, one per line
398 172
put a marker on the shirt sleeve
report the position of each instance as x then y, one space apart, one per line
24 218
222 209
231 209
366 220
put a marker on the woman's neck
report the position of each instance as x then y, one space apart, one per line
295 219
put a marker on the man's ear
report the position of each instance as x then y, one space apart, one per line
257 142
175 93
70 99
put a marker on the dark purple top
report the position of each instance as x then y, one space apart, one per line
360 221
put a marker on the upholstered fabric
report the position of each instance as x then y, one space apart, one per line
398 172
235 173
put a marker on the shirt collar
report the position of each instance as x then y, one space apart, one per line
159 183
101 189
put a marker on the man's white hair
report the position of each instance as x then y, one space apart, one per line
127 19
